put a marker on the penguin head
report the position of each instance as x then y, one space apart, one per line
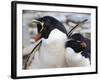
76 42
46 24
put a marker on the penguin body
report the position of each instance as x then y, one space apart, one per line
52 52
78 51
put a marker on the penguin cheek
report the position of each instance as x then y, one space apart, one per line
37 37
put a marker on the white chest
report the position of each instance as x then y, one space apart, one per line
75 59
52 50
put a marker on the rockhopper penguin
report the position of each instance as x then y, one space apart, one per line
78 51
52 50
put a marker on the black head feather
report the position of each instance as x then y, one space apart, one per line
77 36
75 42
49 23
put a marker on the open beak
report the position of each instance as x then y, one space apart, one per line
36 21
41 23
37 36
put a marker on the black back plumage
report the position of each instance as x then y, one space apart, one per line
50 23
74 43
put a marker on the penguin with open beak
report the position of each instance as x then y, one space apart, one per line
78 51
45 25
52 50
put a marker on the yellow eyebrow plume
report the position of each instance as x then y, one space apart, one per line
42 24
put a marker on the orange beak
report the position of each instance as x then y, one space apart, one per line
36 37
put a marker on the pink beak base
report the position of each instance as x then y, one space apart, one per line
36 37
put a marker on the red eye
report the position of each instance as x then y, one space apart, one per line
83 45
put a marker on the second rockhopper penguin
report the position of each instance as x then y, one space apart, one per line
78 51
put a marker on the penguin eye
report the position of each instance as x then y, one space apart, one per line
83 45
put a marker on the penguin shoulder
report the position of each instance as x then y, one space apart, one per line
55 37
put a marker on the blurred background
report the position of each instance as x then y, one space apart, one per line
68 19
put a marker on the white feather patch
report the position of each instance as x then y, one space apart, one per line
52 51
75 59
